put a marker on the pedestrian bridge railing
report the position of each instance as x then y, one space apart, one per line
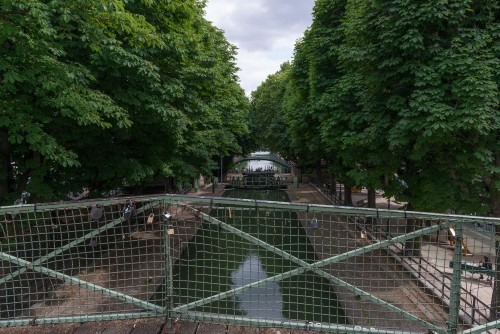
247 262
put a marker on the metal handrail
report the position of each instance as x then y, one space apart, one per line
327 192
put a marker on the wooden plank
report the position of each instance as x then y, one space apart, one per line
181 328
41 329
90 328
241 330
106 327
282 331
147 326
211 329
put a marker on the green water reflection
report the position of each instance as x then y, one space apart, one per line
216 261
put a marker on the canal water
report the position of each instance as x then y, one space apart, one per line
216 261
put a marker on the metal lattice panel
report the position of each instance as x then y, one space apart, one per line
247 262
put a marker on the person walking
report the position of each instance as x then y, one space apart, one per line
488 266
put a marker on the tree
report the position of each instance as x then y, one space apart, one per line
267 117
302 121
148 90
41 85
431 70
334 100
418 78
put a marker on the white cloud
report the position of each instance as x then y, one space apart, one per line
256 66
265 31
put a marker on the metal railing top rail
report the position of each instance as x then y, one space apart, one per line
173 198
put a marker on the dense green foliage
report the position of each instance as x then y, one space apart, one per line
398 95
269 127
104 94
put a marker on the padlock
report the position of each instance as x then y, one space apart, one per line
96 212
129 209
314 223
151 218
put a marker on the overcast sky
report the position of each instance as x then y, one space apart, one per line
264 31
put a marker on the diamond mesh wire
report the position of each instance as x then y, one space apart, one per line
82 260
246 262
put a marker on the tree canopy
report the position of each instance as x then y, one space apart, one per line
269 127
104 94
401 96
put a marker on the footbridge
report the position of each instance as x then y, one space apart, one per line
268 157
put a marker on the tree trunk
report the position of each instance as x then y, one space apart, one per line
170 187
319 175
371 198
340 193
347 195
371 204
333 185
412 246
5 165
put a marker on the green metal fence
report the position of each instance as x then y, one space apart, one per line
247 262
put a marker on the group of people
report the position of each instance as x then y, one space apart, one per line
259 169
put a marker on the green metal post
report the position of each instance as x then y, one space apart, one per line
169 298
456 281
178 199
483 328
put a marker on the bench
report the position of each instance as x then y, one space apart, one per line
474 269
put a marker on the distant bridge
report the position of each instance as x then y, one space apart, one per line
268 157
